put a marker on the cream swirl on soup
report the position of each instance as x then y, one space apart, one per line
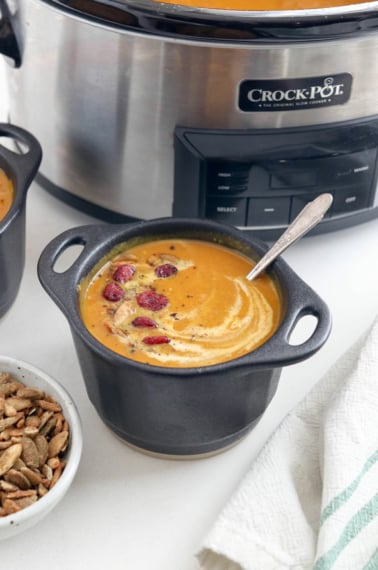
179 303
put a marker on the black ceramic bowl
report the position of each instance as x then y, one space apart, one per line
21 169
179 411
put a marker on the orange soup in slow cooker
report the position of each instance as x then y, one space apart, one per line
179 303
6 194
262 4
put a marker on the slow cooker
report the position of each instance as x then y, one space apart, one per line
147 109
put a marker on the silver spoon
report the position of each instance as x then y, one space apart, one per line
307 219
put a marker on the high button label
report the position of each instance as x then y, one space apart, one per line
294 94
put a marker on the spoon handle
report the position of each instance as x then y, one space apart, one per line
307 219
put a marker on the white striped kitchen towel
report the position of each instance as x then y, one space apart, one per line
310 500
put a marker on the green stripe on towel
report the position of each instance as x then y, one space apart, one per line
361 519
340 499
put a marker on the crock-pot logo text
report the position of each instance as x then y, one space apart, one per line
294 94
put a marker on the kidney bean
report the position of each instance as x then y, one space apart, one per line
144 322
152 301
123 273
161 339
165 270
113 292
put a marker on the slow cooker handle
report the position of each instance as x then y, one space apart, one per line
24 163
304 301
8 41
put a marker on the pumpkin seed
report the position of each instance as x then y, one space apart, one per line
34 436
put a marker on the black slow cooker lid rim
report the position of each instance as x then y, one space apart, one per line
158 18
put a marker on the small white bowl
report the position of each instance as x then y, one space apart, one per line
32 376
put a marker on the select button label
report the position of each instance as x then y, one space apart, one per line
230 210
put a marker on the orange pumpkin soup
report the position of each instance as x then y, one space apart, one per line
6 194
262 5
178 303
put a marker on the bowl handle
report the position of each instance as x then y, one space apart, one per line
58 284
278 349
24 164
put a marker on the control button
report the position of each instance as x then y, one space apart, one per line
227 178
299 202
226 174
226 170
230 187
292 179
349 200
229 210
268 211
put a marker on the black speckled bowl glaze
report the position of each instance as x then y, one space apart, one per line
21 169
179 411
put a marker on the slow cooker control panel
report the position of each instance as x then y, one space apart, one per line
260 180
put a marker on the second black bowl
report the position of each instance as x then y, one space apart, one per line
21 169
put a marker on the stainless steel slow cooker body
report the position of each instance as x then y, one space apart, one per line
105 85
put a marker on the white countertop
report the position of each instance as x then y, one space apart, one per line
130 511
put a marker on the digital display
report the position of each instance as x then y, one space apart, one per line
293 179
